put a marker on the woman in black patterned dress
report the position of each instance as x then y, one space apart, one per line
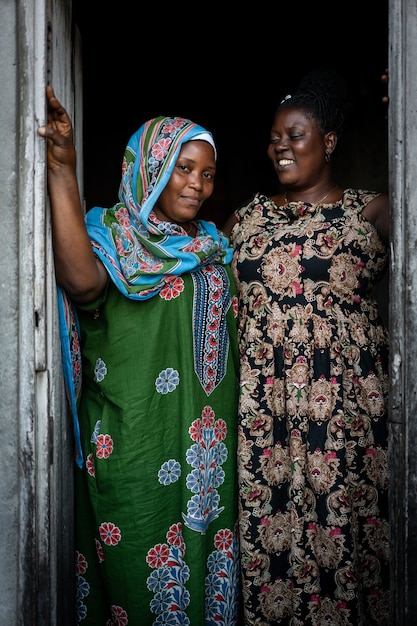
314 379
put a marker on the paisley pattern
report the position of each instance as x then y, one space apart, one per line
312 450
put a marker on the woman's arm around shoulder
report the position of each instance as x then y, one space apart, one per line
378 213
77 269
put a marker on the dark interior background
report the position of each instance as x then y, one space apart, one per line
227 73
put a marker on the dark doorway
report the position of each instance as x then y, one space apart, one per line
227 73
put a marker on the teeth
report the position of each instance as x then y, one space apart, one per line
285 162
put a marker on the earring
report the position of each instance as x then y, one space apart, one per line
327 157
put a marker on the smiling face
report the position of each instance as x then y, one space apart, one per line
298 147
191 183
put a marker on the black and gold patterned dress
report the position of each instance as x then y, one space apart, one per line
313 413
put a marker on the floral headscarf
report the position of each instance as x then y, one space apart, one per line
137 249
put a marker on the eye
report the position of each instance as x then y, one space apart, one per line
208 175
183 168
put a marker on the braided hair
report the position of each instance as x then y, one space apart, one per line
323 94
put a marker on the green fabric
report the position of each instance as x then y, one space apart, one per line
149 450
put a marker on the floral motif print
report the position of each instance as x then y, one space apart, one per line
170 472
312 449
170 575
109 534
80 563
82 590
82 587
211 339
118 616
169 531
104 446
99 550
205 456
173 287
100 370
89 463
167 381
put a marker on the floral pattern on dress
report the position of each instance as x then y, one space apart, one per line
148 419
211 338
312 451
171 573
206 456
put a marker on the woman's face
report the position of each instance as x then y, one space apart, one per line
297 148
191 183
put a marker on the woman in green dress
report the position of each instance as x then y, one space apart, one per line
148 323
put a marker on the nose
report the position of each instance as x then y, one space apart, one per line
196 181
280 144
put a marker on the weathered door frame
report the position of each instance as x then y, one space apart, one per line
402 121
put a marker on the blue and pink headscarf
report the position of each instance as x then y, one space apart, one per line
136 248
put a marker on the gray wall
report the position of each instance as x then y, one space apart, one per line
36 449
9 315
403 307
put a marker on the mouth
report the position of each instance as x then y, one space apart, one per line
192 201
285 162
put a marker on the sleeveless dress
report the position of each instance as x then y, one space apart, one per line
156 499
312 448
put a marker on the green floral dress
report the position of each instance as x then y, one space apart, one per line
312 451
156 500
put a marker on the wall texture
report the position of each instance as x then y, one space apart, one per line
36 449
